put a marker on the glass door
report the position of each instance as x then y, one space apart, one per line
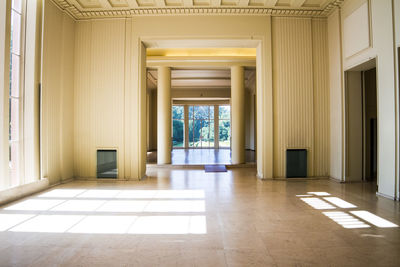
178 126
224 124
201 126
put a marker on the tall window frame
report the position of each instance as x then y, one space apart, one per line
178 118
224 126
16 92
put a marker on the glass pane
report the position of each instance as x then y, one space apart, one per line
196 133
211 138
211 112
196 112
17 5
107 164
178 133
224 133
14 75
14 173
190 128
202 112
191 108
14 119
177 112
225 112
205 135
16 32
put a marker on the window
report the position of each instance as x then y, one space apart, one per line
201 126
15 95
224 126
178 126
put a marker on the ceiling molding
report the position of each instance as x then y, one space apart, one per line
119 9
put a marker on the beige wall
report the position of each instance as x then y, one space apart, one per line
335 96
380 46
99 93
301 94
32 74
106 92
57 94
100 61
397 36
354 126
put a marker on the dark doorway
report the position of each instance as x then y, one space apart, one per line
370 124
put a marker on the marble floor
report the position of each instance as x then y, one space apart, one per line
200 156
192 218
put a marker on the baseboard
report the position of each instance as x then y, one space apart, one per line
385 196
335 179
22 191
300 178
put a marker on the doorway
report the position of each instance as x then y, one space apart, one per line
361 123
201 133
206 126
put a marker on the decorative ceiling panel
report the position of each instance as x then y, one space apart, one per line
89 3
118 3
84 9
229 2
257 3
201 3
146 3
173 2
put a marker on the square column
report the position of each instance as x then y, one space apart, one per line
237 113
164 115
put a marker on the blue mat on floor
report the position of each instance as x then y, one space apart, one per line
215 168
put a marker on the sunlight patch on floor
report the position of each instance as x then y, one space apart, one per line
373 219
317 203
345 220
93 211
340 202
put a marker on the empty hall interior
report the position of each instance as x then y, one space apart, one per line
199 133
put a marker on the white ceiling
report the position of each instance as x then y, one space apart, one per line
82 9
201 78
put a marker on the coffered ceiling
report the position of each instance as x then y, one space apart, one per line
83 9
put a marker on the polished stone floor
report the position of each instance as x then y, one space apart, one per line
200 156
192 218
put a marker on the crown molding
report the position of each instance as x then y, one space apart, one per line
77 14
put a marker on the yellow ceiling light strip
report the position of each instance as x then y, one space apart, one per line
201 52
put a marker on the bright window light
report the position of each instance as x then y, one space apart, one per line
10 220
176 206
317 203
103 225
92 193
48 224
345 220
169 225
35 204
179 194
340 202
197 225
320 194
303 195
137 194
123 206
79 205
62 193
146 194
373 219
